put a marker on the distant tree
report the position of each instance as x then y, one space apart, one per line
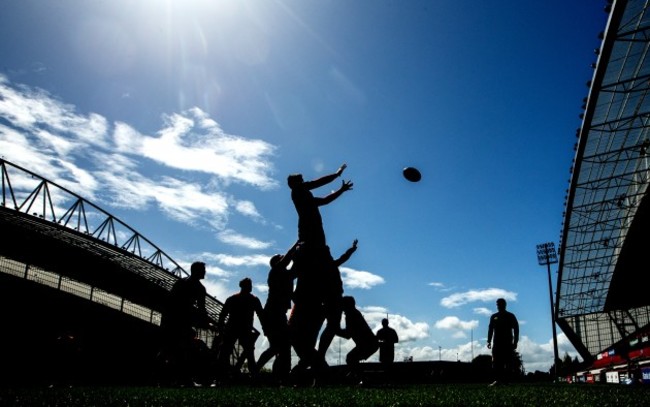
482 367
518 366
552 370
483 361
566 366
538 376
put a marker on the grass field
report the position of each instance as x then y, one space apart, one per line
564 395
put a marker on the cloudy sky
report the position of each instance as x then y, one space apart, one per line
183 119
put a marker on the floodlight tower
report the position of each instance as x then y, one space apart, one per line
546 256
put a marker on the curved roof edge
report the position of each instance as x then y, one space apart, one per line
610 181
57 230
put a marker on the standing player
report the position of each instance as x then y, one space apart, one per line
387 339
503 336
236 323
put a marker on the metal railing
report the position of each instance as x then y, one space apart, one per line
52 210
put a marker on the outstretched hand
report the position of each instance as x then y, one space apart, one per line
354 244
346 185
341 169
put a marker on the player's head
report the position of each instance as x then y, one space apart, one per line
348 302
501 304
197 270
294 180
246 285
384 322
275 259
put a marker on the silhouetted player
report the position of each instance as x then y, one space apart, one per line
332 293
305 322
357 329
239 310
310 222
184 310
503 336
387 338
278 302
318 297
314 264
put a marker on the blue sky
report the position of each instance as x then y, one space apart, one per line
184 118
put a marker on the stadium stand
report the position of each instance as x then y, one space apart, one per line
73 276
602 303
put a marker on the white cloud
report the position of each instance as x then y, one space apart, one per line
217 289
454 323
76 178
19 149
459 335
247 208
262 288
359 279
242 261
126 138
183 201
486 295
52 139
93 129
375 309
483 311
233 238
33 110
60 145
425 353
188 202
407 330
212 271
191 142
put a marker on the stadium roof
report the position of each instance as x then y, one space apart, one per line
601 298
54 237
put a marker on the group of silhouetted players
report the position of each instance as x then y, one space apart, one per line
305 280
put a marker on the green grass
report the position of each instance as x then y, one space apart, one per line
563 395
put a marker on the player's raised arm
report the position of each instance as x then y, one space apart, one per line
326 179
345 186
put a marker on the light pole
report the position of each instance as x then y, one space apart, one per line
546 256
